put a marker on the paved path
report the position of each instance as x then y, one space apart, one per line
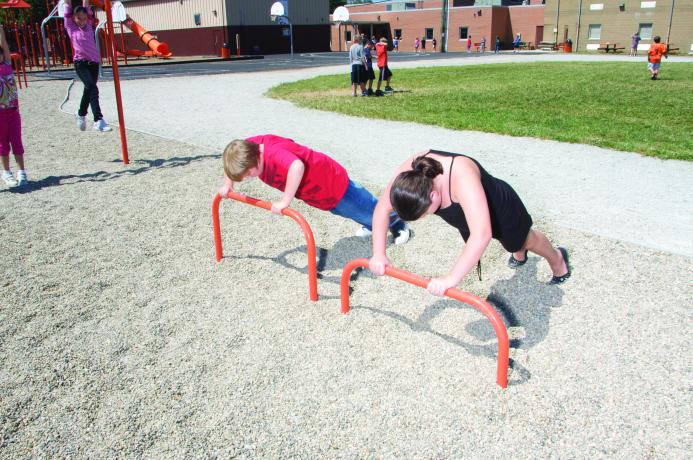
618 195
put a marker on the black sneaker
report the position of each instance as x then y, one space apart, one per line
389 89
379 93
370 92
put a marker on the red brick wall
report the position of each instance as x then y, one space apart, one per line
525 21
501 21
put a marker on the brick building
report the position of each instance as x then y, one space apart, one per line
591 22
431 19
200 27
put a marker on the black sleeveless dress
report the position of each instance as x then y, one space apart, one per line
510 221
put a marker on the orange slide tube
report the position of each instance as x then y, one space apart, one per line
159 48
465 297
310 240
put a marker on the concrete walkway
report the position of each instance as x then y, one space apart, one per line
623 196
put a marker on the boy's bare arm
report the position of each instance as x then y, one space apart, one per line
293 181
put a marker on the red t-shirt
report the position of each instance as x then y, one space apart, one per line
656 51
381 49
324 180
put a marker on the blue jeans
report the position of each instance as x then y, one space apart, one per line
358 205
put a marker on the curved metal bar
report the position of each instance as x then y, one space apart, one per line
470 299
310 240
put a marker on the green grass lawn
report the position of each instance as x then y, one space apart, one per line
607 104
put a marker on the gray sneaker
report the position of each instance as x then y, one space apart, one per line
9 179
102 126
21 178
81 122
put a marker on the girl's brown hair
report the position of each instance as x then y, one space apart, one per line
410 193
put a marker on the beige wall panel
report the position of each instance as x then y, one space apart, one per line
175 14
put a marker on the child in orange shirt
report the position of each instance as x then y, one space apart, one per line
654 56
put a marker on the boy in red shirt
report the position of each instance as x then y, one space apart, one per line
385 74
654 56
303 173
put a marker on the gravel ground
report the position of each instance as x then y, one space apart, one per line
122 337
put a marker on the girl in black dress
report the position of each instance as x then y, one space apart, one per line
459 190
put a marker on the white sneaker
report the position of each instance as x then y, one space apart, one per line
9 179
363 232
21 178
403 236
102 126
81 122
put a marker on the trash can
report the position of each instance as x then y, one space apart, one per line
226 51
568 46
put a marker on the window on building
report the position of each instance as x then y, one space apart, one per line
410 6
398 33
645 31
429 33
648 4
347 36
594 32
464 31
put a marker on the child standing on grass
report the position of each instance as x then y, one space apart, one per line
368 56
80 29
654 56
10 121
303 173
384 74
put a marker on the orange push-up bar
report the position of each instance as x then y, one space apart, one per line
310 241
470 299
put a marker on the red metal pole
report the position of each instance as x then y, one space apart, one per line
39 40
122 43
470 299
308 233
17 67
61 27
116 83
29 57
19 51
33 48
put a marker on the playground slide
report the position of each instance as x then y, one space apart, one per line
159 48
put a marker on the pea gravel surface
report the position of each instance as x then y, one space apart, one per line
121 336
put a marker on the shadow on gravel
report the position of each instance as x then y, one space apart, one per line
523 301
101 176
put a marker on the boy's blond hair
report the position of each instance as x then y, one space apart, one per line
239 156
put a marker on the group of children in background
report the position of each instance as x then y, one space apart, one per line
362 72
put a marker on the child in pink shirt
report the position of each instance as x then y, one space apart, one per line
300 172
81 32
10 121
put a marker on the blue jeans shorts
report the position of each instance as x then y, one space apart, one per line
358 205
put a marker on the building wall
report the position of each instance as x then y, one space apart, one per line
481 21
173 21
618 24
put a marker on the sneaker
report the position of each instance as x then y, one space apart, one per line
363 232
389 89
379 93
21 178
371 92
9 179
403 235
364 94
102 126
81 122
354 94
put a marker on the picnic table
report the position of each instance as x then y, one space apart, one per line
606 47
